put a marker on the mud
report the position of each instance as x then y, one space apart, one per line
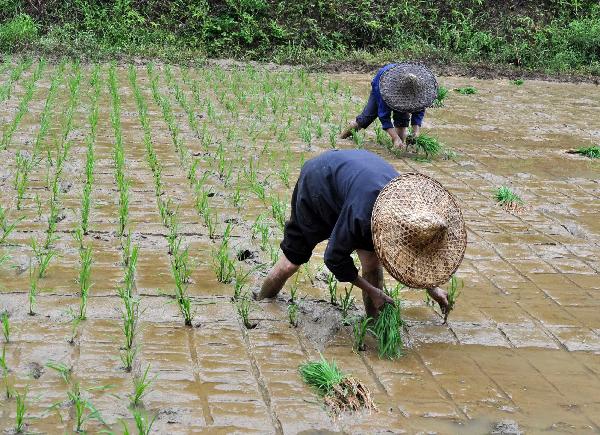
521 350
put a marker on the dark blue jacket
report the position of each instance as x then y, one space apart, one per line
335 198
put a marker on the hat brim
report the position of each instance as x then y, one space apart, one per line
402 96
417 267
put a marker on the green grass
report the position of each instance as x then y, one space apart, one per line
466 90
507 199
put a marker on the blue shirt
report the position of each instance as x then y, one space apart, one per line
384 111
335 198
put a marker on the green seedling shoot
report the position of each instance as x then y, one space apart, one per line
467 90
507 199
292 310
141 385
6 326
20 411
442 93
143 423
387 328
243 306
5 372
359 329
346 302
332 287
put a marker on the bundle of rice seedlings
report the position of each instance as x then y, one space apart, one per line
340 392
593 152
429 145
387 330
518 82
467 90
508 200
442 93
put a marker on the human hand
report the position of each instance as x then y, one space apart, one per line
379 300
441 297
397 143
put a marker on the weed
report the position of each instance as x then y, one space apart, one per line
339 391
467 90
359 329
332 287
292 310
140 387
442 93
507 199
6 326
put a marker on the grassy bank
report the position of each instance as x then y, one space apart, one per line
552 36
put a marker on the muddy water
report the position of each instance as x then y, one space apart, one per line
521 351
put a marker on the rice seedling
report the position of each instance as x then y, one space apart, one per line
454 290
43 257
518 82
140 388
278 209
292 310
241 279
130 315
83 408
467 90
339 391
387 328
442 93
507 199
33 288
6 226
143 423
358 138
429 145
84 280
332 284
15 75
24 166
63 370
38 205
242 306
592 152
8 392
20 411
5 326
181 272
359 329
346 302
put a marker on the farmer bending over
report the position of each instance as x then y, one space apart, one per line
404 90
409 223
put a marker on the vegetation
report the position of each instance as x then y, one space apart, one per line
467 90
507 199
442 93
340 392
428 145
359 329
593 152
387 327
554 35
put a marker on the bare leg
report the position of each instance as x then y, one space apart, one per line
277 278
416 130
403 133
372 272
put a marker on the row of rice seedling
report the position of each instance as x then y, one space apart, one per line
179 257
23 107
15 75
90 158
118 151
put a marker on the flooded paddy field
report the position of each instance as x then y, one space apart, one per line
187 175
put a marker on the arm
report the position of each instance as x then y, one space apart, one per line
378 297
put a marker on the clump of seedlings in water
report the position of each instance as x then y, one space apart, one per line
5 226
454 289
33 288
428 145
442 93
340 392
223 263
21 410
592 152
359 330
518 82
388 326
508 200
242 307
181 271
8 393
43 257
292 310
466 90
141 385
143 423
84 280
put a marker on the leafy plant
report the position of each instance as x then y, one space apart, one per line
143 423
242 306
332 287
346 302
20 411
140 387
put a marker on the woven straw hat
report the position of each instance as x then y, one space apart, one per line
418 231
408 87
